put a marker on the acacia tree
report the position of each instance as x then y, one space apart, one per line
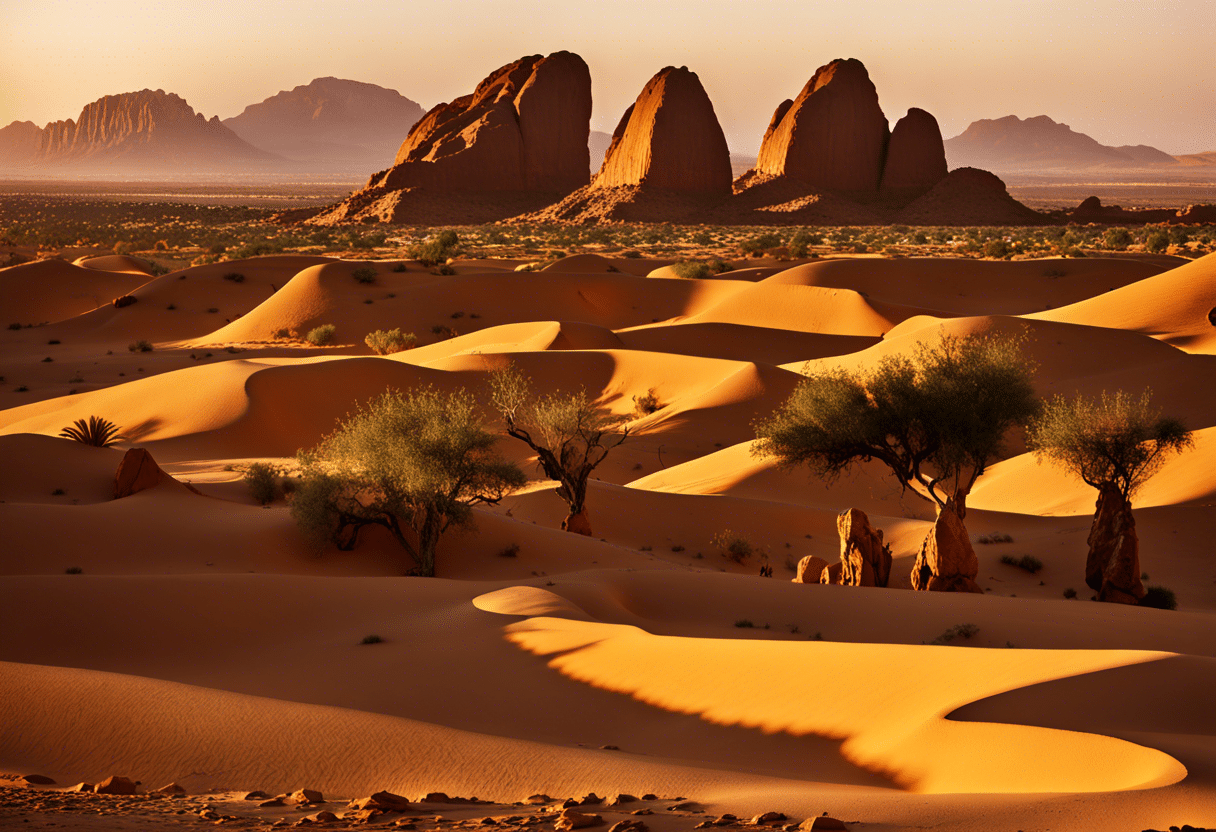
1114 443
416 461
935 419
569 433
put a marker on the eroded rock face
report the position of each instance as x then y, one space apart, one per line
115 785
916 156
946 561
810 568
1113 565
864 559
136 472
833 135
669 138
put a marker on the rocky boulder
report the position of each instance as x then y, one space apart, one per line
669 138
136 472
115 785
570 819
969 196
810 568
916 156
864 559
832 136
1113 565
946 561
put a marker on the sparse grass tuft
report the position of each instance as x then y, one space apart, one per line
988 539
263 481
963 631
510 551
1028 562
235 277
1070 593
372 639
140 346
646 404
744 623
73 570
735 547
365 275
389 341
1159 598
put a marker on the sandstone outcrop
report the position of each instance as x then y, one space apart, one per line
115 785
946 561
136 472
523 131
916 157
668 157
307 796
570 819
810 568
969 196
1113 565
864 559
832 136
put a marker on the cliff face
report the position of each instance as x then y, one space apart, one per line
522 133
19 143
669 138
147 129
330 123
916 159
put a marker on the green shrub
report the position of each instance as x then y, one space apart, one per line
1157 241
1117 239
365 275
262 478
1159 598
321 335
735 547
388 341
436 249
444 270
140 346
235 277
755 246
997 249
646 404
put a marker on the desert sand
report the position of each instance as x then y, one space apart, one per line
201 639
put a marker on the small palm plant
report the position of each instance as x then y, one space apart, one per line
100 433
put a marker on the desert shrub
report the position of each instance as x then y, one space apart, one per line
1070 593
398 267
743 623
756 246
321 335
443 331
1159 598
646 403
436 249
998 249
262 479
415 463
509 551
388 341
444 270
98 432
735 547
691 269
1113 438
1117 239
14 326
282 332
73 570
963 631
934 418
799 244
364 274
372 639
140 346
569 433
987 539
1157 241
1027 562
235 277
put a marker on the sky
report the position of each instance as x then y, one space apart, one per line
1124 72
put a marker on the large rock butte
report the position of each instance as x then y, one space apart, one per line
522 131
1113 565
916 156
832 136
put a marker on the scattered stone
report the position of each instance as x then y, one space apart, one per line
767 817
172 788
255 795
591 799
208 814
323 817
685 806
569 803
623 798
823 822
641 811
82 787
629 826
270 804
115 785
125 300
570 819
610 748
538 799
809 570
649 797
382 801
307 796
38 780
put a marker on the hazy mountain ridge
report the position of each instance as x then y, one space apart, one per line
333 122
1039 143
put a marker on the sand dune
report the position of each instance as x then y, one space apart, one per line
25 299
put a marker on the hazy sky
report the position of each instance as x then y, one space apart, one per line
1123 71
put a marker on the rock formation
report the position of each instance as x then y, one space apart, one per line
667 156
946 562
522 133
864 559
19 143
330 123
115 785
1113 565
810 569
916 158
136 472
149 130
968 196
833 136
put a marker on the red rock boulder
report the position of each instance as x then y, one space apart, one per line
669 138
115 785
946 561
916 156
1113 565
810 568
864 559
136 472
834 134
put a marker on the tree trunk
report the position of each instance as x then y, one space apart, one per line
946 561
1113 564
578 523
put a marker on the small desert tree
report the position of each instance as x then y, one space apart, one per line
416 461
935 418
569 433
1113 439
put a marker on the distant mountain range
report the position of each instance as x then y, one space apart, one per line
331 122
1014 145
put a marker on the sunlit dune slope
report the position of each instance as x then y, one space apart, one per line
52 290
